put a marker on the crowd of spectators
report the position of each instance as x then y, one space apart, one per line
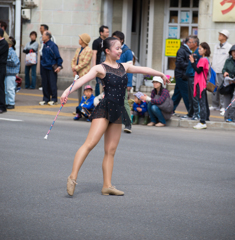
191 72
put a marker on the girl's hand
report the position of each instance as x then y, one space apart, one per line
74 69
191 58
143 98
165 79
64 98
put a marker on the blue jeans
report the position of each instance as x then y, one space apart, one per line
181 91
10 86
33 75
155 113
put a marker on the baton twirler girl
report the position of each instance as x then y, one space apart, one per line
109 115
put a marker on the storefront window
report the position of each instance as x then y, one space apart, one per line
174 3
195 17
185 3
195 3
182 22
171 63
173 17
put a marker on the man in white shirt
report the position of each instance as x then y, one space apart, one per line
221 54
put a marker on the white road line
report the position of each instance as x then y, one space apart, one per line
11 120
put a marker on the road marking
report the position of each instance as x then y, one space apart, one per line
11 120
211 116
40 95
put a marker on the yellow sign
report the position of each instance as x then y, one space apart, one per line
224 11
172 46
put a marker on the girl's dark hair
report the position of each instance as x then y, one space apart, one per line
14 42
108 42
33 32
205 46
119 35
160 92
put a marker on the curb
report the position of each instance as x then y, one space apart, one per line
174 122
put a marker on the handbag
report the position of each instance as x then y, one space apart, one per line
55 66
30 58
228 90
210 80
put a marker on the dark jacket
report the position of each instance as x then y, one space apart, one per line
182 60
50 55
229 67
3 52
190 72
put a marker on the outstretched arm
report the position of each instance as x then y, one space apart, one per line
96 70
145 70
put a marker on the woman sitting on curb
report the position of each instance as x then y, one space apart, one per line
160 105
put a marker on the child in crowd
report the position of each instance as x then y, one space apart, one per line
200 78
140 109
86 105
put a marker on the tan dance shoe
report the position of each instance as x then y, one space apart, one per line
71 184
111 191
151 124
160 125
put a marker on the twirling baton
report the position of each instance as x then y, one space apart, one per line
76 77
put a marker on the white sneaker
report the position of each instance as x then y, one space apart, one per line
40 88
222 109
214 108
42 103
51 103
222 113
200 126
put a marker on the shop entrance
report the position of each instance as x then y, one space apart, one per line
181 20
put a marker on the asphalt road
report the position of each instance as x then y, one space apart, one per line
178 183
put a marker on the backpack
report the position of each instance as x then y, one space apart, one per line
211 79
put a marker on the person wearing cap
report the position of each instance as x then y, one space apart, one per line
86 105
82 59
13 67
229 71
51 65
220 55
160 105
3 62
140 109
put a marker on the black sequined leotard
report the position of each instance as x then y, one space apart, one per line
111 106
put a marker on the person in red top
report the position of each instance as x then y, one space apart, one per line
201 72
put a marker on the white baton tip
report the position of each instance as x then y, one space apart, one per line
46 137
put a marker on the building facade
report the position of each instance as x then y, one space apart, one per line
147 24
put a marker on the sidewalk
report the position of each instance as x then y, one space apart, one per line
27 102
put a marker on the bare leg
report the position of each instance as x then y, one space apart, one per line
97 129
111 140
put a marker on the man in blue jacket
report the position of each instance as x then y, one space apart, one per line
51 64
126 57
193 112
181 86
